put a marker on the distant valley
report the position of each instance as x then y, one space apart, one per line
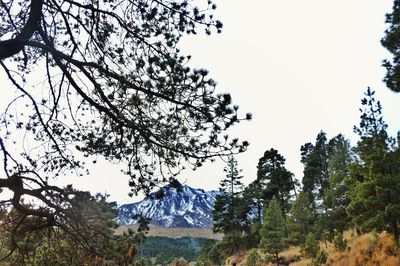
176 232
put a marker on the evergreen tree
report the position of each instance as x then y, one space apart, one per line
232 184
254 195
230 209
315 180
273 231
275 180
230 212
254 259
315 160
391 41
336 199
254 201
375 178
310 247
37 244
114 85
301 219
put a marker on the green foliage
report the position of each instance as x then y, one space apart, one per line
114 85
253 259
375 179
273 230
231 243
275 180
320 258
143 262
165 249
301 219
315 160
253 194
230 208
326 180
80 242
391 42
254 236
209 254
336 199
232 185
310 247
339 242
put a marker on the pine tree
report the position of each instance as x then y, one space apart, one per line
232 184
310 247
254 195
375 178
391 42
335 198
113 84
301 219
315 180
315 160
273 231
230 209
276 181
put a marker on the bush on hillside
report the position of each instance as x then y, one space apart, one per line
310 247
339 242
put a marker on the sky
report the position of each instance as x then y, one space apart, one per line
299 66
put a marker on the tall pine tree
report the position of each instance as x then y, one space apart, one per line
336 198
301 219
276 181
315 180
315 160
230 210
375 195
273 231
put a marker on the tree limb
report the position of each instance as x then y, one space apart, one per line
13 46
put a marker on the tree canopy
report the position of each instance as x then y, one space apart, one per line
375 200
391 42
105 78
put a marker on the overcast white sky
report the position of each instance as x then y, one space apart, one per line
300 66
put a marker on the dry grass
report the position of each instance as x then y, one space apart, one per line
238 259
174 232
367 250
364 250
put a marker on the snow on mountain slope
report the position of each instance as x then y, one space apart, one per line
188 207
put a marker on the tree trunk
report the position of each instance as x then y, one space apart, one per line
259 210
395 232
277 259
13 46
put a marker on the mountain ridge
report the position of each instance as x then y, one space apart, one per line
177 207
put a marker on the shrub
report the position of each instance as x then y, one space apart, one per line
310 247
253 259
320 258
340 242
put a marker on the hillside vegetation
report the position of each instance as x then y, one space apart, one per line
343 188
367 249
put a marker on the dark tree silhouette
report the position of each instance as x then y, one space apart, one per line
391 42
230 210
276 181
105 78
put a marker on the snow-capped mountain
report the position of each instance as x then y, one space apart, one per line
188 207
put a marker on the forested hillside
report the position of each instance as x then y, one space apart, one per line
343 188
